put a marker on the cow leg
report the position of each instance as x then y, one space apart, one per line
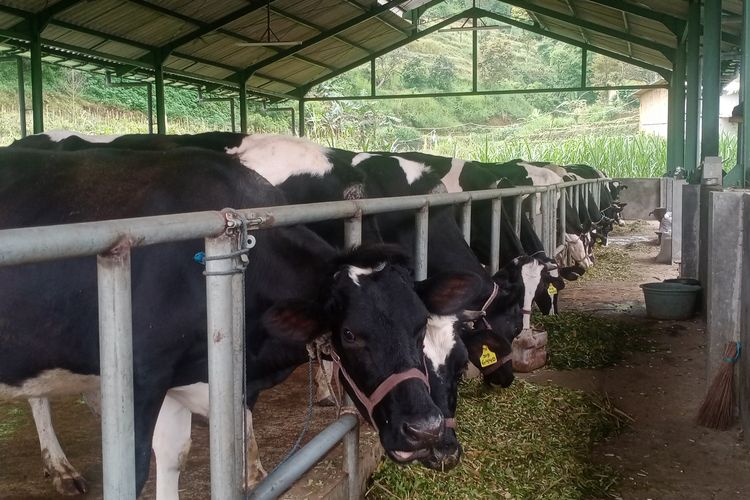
146 414
66 480
323 374
171 444
194 398
254 472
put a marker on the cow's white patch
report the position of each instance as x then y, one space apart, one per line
413 169
360 157
278 157
355 272
451 179
59 135
531 274
55 382
439 339
171 445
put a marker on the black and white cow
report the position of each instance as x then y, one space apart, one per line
298 288
460 175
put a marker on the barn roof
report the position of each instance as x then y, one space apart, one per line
215 43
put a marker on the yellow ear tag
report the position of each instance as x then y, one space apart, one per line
488 357
551 290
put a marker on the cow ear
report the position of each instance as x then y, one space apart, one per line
294 321
449 293
571 273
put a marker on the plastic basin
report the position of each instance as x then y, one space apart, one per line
669 300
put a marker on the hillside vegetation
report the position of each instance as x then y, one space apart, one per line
598 128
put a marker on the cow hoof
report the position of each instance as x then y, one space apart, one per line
254 480
326 401
70 484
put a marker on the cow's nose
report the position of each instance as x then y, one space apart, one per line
424 433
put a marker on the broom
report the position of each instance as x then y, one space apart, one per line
717 410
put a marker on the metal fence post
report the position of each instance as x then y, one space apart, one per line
220 309
576 197
517 207
563 210
553 220
352 238
466 221
545 221
116 370
422 220
239 377
497 207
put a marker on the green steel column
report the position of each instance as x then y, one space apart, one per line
301 117
474 55
711 77
372 77
21 96
161 110
745 97
37 96
584 61
243 105
693 62
678 88
671 124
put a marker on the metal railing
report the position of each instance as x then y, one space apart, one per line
112 241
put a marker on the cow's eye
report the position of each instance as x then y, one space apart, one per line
348 335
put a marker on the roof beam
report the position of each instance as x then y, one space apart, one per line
202 24
321 37
674 24
571 41
302 90
207 28
626 24
149 48
355 4
318 28
575 14
591 26
71 52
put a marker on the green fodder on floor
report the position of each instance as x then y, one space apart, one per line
580 340
524 442
612 264
12 416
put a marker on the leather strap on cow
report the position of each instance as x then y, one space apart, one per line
487 370
481 314
381 391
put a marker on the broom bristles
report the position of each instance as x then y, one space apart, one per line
717 410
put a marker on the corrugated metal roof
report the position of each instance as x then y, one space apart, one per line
204 39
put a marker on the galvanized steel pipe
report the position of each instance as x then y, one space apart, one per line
283 477
466 221
224 483
352 238
497 207
116 372
421 228
517 208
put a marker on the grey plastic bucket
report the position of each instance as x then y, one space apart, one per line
670 300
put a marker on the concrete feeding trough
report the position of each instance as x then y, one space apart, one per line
670 300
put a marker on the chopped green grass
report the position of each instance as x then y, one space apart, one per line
525 442
11 418
612 264
579 340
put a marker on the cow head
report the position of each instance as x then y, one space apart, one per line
574 252
378 318
550 284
